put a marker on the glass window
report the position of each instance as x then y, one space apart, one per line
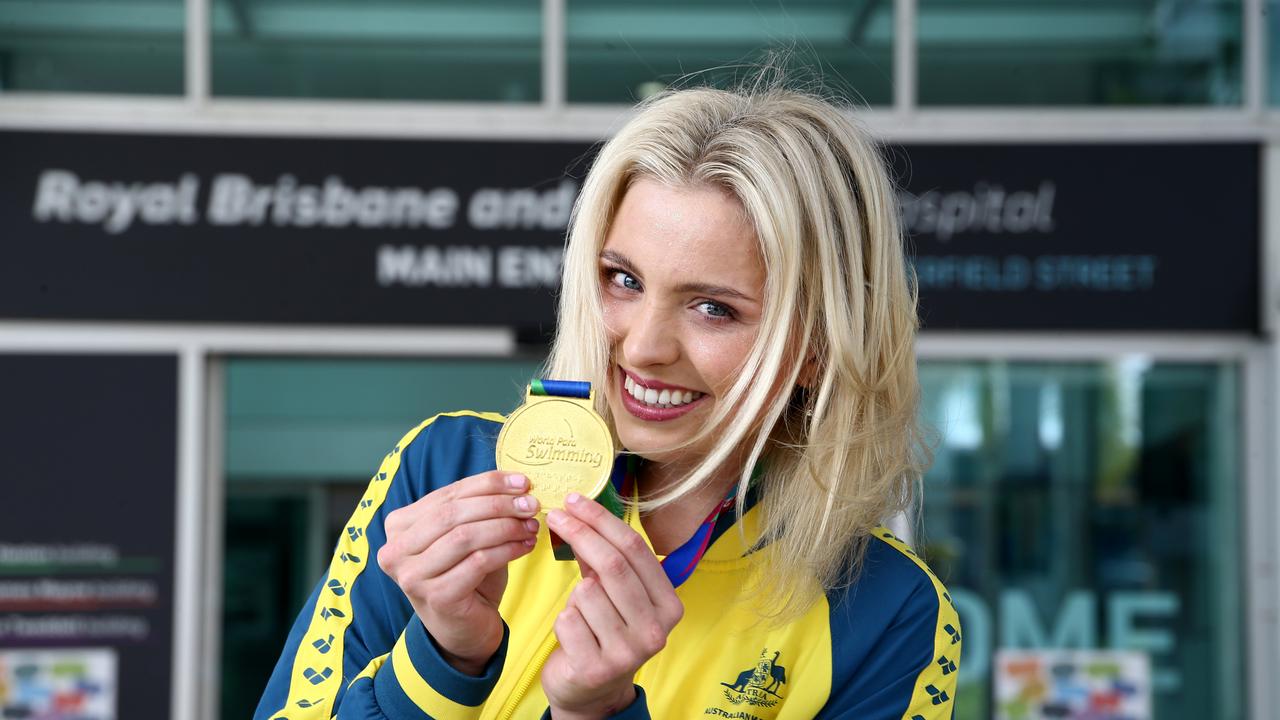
385 49
302 438
1271 11
619 52
1067 52
107 46
1092 506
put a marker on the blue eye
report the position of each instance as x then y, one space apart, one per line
715 310
624 279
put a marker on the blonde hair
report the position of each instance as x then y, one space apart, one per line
845 454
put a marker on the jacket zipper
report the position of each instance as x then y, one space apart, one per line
540 659
535 668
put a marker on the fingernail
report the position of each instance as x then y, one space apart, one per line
530 542
531 525
555 518
517 481
522 503
573 498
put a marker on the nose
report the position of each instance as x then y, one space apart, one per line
649 336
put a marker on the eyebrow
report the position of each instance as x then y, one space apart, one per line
618 258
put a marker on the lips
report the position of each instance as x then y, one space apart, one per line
664 397
655 401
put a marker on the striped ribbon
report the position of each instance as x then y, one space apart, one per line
560 388
679 565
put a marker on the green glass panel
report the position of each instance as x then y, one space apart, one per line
265 582
302 438
619 52
483 50
1271 12
92 46
1068 52
333 420
1092 506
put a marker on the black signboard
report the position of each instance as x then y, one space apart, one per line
400 232
1084 237
273 230
87 493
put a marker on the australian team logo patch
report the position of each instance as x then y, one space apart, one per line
759 685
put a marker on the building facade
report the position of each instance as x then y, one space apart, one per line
249 242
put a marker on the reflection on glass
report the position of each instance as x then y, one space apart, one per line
1092 506
108 46
619 52
1271 11
302 436
385 49
1067 52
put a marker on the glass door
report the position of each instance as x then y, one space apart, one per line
302 437
1091 505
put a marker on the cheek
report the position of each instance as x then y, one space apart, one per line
721 360
614 322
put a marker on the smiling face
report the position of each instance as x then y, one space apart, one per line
682 284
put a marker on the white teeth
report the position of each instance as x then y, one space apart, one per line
666 398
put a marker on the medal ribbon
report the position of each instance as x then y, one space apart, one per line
560 388
679 565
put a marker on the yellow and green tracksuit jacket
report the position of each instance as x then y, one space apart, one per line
886 647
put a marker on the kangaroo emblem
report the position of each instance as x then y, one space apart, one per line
744 677
758 685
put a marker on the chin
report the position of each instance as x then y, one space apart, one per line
659 447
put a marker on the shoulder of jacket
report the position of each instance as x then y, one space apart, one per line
450 424
894 573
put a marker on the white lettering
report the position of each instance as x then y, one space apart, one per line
236 199
62 197
227 198
988 208
1133 621
454 266
522 208
523 267
1074 627
54 193
1124 632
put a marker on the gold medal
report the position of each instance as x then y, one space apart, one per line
559 441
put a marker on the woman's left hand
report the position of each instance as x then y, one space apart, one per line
617 618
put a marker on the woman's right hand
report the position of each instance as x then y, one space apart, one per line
449 551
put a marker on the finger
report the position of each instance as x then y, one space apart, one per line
586 570
633 547
599 612
620 581
446 517
575 636
462 579
460 542
492 482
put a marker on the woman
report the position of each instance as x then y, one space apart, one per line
735 290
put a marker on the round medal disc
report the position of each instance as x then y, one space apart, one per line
561 445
